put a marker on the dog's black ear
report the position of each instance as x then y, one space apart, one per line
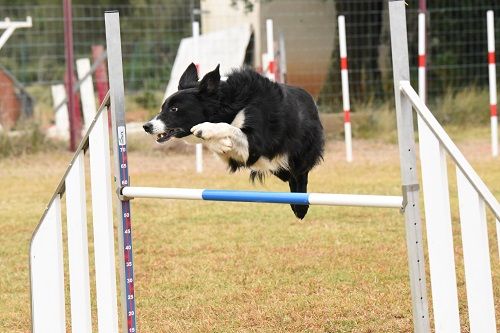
189 78
210 81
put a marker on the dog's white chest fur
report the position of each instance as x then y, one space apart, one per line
229 142
280 162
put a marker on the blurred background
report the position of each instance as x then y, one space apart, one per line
33 59
208 267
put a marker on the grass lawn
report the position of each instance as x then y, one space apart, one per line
241 267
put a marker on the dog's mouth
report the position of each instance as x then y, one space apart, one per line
168 134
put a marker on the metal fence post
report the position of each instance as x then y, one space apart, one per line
117 97
409 176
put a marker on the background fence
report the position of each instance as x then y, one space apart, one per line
152 30
151 35
456 47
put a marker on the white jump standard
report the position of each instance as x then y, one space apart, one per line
46 249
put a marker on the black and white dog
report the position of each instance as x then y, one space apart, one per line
248 121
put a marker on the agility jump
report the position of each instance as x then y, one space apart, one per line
46 250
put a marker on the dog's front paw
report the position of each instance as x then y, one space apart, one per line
203 131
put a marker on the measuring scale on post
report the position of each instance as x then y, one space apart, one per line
113 40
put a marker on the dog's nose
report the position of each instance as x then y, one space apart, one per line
148 127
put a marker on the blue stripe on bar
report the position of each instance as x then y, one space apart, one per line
255 196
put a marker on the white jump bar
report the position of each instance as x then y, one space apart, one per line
382 201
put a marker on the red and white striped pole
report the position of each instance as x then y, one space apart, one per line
345 89
196 56
493 82
269 61
422 71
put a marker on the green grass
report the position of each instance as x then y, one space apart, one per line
229 267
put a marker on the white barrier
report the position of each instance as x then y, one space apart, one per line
46 261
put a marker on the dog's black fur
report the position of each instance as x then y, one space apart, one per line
279 119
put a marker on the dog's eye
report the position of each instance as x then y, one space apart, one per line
174 109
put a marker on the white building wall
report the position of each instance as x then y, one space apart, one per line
309 27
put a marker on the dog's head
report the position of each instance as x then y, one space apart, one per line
189 106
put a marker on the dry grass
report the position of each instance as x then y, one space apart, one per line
228 267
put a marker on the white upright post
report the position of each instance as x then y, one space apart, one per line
102 221
47 273
78 252
270 64
493 82
479 286
60 114
86 91
345 89
422 75
437 211
196 57
439 231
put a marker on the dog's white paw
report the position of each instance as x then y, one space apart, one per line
210 131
